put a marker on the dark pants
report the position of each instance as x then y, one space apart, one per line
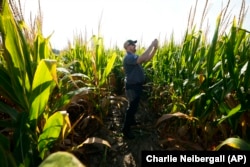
133 93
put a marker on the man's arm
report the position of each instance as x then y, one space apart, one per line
149 53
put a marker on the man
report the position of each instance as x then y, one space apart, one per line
134 79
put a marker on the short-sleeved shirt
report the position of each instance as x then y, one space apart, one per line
134 73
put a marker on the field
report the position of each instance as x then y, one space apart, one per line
196 97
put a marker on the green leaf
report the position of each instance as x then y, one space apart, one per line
61 158
16 55
3 159
196 97
43 83
6 88
247 76
108 68
65 99
4 142
232 112
6 159
211 52
8 110
41 48
50 134
236 143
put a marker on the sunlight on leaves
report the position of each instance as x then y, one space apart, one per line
50 134
177 114
92 140
236 143
197 97
43 83
232 112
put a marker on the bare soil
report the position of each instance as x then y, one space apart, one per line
124 152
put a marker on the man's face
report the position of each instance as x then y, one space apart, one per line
131 48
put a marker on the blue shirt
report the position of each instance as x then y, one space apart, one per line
134 73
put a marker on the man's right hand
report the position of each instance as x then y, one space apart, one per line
155 43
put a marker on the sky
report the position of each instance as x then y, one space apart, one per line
118 20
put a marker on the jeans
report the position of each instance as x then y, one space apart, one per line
133 93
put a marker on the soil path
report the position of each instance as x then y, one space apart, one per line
124 152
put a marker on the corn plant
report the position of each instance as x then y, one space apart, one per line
90 63
90 59
210 81
236 70
27 81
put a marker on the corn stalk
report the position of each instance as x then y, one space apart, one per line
27 81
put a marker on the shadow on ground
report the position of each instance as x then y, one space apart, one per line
123 152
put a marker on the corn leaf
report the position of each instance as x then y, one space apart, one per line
165 117
108 68
8 110
51 133
236 143
211 52
4 158
6 89
43 83
65 98
16 55
197 97
61 158
66 125
41 48
247 76
232 112
92 140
